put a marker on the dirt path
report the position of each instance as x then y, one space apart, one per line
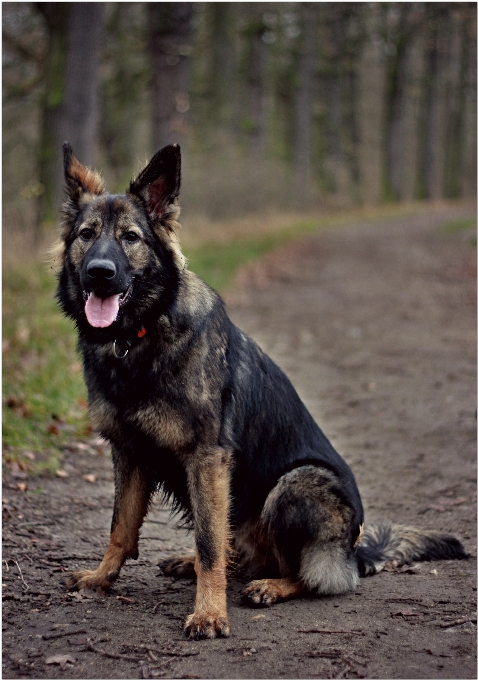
375 325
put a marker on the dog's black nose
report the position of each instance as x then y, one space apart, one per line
101 269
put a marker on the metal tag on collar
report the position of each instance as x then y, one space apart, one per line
121 356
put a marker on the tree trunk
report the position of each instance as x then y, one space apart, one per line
170 37
436 127
371 108
455 105
407 95
256 81
336 97
222 71
469 141
81 104
56 17
303 103
70 110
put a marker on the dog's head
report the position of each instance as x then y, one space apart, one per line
120 254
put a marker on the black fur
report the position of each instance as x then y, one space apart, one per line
185 398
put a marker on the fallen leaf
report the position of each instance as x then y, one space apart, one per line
62 473
22 486
61 659
90 478
81 446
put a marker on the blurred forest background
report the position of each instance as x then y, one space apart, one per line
290 105
288 114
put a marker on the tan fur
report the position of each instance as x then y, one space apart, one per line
360 536
103 417
90 179
55 254
209 490
167 231
210 612
268 591
180 566
164 425
123 540
196 296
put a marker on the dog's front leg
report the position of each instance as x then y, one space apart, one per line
208 481
132 495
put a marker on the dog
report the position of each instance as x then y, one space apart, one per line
193 408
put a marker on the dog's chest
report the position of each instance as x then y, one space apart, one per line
173 404
166 425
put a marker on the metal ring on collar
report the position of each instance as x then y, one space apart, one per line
119 356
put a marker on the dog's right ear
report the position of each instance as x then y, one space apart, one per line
79 179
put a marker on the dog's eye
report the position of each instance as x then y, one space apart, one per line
86 234
131 236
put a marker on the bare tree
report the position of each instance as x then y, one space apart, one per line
56 16
170 42
303 101
81 102
371 106
405 101
468 140
70 108
255 75
436 115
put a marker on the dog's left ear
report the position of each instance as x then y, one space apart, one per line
158 184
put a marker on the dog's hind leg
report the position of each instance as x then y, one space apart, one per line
132 496
308 526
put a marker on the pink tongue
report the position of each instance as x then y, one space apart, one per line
101 313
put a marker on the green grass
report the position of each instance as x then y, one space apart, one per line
44 399
218 263
460 225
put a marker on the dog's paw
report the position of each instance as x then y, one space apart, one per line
180 567
260 593
89 580
268 591
206 626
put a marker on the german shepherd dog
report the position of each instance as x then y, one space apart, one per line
194 408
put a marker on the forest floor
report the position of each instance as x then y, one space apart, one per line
375 325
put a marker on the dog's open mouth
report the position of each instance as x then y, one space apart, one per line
102 312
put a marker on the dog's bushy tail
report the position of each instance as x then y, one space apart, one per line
382 544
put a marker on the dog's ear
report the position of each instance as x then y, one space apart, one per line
158 184
78 178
